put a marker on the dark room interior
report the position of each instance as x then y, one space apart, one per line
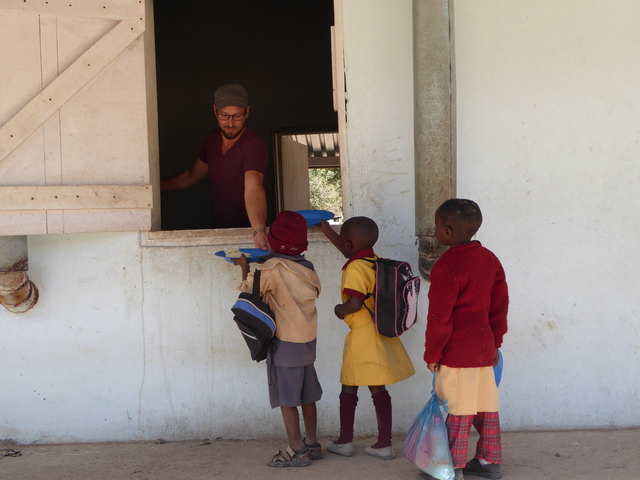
279 50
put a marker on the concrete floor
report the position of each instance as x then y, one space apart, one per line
584 455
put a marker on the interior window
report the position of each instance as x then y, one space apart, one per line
308 172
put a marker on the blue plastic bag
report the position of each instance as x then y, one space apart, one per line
427 443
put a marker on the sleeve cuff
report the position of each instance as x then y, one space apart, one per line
354 293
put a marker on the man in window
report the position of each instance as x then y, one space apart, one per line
234 157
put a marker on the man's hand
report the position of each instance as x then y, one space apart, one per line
260 240
433 367
338 311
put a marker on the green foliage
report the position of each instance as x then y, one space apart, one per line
325 189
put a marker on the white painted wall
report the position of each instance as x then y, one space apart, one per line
378 47
131 343
378 50
548 127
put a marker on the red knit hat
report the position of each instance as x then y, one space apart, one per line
288 233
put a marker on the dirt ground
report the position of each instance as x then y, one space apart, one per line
584 455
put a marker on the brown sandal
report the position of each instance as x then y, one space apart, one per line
290 458
8 452
315 450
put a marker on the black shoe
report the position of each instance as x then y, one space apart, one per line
491 470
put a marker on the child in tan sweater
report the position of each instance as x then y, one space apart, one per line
290 286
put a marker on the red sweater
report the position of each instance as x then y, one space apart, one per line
468 301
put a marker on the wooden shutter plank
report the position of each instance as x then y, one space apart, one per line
56 197
51 127
42 222
33 222
112 9
87 221
65 86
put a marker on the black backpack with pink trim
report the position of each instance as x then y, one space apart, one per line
396 297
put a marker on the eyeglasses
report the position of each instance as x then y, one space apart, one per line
235 117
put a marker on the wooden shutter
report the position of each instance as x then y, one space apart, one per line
78 128
295 175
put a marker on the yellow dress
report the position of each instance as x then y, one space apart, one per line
368 357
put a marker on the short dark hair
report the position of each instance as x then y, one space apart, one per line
461 213
362 229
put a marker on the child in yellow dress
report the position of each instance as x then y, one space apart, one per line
369 359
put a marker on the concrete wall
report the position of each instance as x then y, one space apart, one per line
131 342
548 113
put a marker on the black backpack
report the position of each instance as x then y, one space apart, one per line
396 297
255 320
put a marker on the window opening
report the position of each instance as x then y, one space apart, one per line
308 171
190 65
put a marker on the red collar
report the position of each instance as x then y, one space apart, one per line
367 252
461 246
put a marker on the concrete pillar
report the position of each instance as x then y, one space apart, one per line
434 112
17 293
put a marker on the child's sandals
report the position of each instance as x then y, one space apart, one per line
315 450
290 458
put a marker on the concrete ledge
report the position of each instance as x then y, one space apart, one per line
210 237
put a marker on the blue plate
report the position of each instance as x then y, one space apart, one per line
313 217
497 370
252 254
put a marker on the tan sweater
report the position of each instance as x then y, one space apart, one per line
291 290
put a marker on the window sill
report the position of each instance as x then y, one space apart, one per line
209 237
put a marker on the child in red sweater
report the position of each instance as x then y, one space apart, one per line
468 302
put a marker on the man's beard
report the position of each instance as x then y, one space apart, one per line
232 135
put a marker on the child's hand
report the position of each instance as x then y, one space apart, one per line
496 358
243 263
330 234
324 226
433 367
338 311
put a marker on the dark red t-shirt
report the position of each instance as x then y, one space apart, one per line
226 175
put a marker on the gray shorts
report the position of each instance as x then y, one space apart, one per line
293 386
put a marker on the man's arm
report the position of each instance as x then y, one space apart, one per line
255 201
186 179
